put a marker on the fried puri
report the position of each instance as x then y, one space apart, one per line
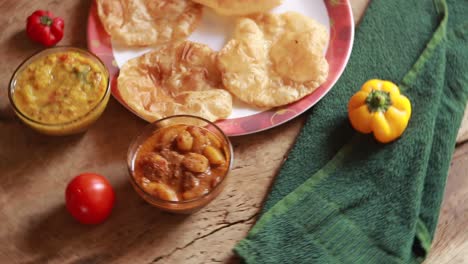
274 59
149 22
177 79
240 7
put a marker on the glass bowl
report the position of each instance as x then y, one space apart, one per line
74 125
183 206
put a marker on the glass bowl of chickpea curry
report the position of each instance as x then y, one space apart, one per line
180 163
60 91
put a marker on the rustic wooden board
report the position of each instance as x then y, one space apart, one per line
463 133
450 245
35 170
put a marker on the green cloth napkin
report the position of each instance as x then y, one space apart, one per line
342 197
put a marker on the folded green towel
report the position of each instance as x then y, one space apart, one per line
341 197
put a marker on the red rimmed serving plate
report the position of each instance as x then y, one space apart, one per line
336 15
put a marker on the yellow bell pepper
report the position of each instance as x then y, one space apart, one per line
379 107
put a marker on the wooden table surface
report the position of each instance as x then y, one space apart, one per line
35 227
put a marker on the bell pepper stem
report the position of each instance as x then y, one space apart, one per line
46 21
378 101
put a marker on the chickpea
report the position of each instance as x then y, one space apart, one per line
214 155
168 135
195 162
161 191
184 141
214 141
199 139
154 167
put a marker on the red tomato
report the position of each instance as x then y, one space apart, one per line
89 198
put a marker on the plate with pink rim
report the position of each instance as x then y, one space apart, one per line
214 30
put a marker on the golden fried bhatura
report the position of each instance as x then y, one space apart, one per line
177 79
274 60
149 22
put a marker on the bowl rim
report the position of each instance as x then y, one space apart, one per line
44 52
151 127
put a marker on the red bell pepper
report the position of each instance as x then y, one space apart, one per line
44 28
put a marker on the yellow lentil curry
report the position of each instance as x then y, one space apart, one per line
60 87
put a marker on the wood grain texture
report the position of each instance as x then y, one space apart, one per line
35 170
463 133
450 245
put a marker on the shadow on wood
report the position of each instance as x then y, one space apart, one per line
55 233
